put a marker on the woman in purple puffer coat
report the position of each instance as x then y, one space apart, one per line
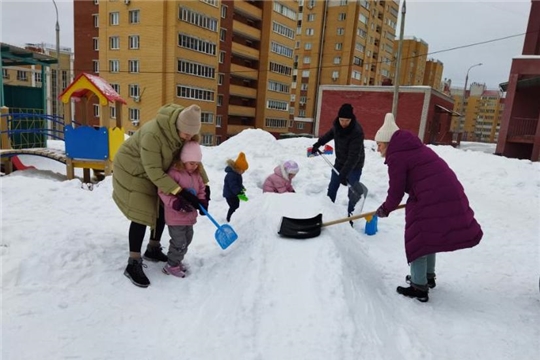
438 217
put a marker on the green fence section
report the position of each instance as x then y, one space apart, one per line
26 100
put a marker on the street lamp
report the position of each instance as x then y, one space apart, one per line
462 119
56 102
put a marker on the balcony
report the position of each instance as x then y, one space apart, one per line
245 51
247 31
244 72
244 111
522 130
248 10
242 91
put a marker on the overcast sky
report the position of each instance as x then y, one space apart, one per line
442 24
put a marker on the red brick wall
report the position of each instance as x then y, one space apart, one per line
370 107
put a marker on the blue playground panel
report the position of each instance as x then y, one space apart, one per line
85 142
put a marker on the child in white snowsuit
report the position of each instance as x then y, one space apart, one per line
181 215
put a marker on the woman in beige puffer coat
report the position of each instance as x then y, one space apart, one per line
140 169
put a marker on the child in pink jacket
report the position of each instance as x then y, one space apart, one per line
180 215
280 180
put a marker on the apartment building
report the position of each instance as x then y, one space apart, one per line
232 58
482 113
433 74
339 42
35 76
413 61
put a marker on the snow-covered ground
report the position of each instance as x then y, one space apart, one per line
64 249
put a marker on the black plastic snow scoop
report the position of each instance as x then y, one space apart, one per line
311 227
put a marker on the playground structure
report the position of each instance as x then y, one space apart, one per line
85 146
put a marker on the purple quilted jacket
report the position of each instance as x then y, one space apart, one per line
437 216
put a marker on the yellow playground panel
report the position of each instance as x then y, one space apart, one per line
88 147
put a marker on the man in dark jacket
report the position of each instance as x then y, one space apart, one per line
348 138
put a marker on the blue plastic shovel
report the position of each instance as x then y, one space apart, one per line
225 234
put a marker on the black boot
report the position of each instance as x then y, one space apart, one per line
412 292
134 272
430 282
154 254
350 221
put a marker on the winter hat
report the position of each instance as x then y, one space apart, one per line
189 120
384 134
291 167
346 111
241 163
191 151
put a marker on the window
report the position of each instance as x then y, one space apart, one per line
223 11
114 66
21 75
305 73
207 139
96 110
339 46
113 112
96 43
277 105
134 90
188 92
221 78
96 20
311 17
5 74
64 79
307 46
356 75
218 120
363 19
275 123
335 75
114 18
342 16
134 114
282 30
340 31
222 34
187 67
207 117
278 87
95 65
133 41
300 125
133 66
281 49
304 86
221 57
37 77
116 87
280 69
359 47
285 11
196 44
201 20
310 32
134 16
114 43
337 60
307 59
220 100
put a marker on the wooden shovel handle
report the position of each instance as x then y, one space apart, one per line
355 217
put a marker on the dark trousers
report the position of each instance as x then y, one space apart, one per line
137 232
181 236
234 203
352 178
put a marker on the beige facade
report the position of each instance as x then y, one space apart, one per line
35 76
433 74
413 61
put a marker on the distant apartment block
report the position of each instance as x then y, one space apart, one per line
482 115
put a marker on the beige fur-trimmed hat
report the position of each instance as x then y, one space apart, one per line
189 120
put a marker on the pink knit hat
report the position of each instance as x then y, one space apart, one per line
191 152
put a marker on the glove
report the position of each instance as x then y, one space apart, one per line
190 198
242 196
182 205
315 148
381 212
204 204
207 192
343 179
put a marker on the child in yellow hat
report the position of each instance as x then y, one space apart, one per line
233 188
